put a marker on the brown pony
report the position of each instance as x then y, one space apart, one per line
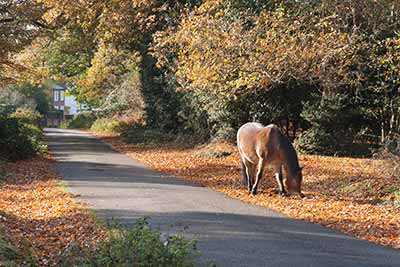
258 146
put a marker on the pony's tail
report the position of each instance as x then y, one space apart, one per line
244 173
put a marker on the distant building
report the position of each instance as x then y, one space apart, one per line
71 107
63 106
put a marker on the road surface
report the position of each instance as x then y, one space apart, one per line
230 232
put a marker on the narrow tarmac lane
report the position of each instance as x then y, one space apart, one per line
230 232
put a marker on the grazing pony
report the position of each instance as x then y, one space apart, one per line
258 146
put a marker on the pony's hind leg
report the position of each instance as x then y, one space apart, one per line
249 173
278 176
245 178
260 168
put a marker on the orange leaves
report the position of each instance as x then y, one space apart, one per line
35 209
351 195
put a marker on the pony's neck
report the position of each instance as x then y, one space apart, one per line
289 156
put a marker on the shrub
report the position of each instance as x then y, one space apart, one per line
138 246
392 144
10 256
81 120
215 150
140 134
19 139
27 116
64 124
107 125
11 95
332 128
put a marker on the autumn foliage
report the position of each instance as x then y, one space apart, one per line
36 212
359 197
206 67
280 61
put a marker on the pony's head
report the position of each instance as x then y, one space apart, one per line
293 182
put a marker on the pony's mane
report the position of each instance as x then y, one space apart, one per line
289 153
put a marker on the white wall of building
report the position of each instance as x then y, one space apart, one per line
71 103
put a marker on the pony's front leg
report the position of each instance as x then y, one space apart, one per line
260 169
278 176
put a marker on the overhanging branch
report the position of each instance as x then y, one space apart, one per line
7 20
41 25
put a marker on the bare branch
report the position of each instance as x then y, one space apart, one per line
7 20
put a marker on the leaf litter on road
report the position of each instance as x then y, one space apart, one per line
35 209
357 196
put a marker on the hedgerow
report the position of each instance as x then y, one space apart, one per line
20 134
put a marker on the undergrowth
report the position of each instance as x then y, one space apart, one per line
11 256
137 246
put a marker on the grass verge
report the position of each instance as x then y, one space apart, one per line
136 246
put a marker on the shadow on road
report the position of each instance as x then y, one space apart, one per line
229 231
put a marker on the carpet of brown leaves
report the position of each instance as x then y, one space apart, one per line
34 209
353 195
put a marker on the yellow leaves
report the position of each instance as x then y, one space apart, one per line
252 50
219 13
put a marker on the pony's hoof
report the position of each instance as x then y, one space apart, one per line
283 194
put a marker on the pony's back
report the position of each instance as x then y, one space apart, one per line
247 133
253 139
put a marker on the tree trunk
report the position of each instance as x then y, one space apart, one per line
294 130
287 126
392 118
382 121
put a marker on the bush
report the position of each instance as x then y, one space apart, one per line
19 138
107 125
392 144
140 134
138 246
81 120
27 116
10 256
64 124
332 129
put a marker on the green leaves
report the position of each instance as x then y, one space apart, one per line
136 246
20 135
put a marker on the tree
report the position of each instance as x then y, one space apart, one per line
88 30
29 96
208 66
20 23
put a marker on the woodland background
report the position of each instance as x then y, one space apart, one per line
327 72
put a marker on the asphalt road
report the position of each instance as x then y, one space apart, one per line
230 232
